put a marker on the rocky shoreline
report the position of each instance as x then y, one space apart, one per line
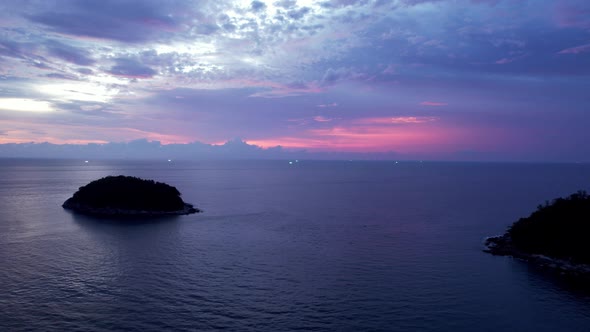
503 246
86 209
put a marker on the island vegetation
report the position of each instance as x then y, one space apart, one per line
556 234
127 195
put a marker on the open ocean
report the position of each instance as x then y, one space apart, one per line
313 246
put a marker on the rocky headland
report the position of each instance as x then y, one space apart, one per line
556 235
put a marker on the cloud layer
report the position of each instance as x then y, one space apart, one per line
499 77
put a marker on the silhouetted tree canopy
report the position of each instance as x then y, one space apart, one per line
559 229
129 193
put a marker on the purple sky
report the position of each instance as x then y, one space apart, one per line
461 79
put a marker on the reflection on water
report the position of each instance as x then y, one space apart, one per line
120 221
564 284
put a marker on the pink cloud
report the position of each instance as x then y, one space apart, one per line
368 138
320 118
576 50
396 120
433 103
504 61
378 134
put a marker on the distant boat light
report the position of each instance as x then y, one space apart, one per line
290 163
86 161
169 160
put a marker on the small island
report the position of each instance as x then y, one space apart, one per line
556 235
128 196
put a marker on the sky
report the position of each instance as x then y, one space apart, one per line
416 79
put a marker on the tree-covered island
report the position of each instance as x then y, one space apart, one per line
127 195
556 235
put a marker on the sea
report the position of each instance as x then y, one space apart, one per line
285 245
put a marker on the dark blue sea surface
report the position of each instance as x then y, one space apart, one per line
312 245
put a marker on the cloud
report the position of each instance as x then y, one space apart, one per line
389 70
62 76
125 21
211 70
433 103
576 50
298 14
572 13
28 53
257 6
371 138
396 120
131 68
85 71
69 53
327 105
320 118
285 4
139 149
14 49
343 3
25 105
289 90
333 76
504 61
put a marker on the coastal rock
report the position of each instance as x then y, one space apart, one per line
554 236
503 246
128 196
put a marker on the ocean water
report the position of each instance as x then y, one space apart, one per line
313 245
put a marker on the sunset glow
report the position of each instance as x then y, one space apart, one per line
24 105
439 78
